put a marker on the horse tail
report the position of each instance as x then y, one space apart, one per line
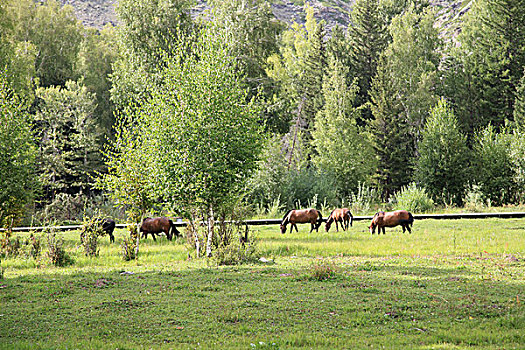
410 219
173 228
351 217
319 218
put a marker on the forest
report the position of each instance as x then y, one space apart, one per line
194 116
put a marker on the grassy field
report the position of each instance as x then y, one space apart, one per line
449 285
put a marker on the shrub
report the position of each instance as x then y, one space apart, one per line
322 269
232 244
91 230
130 245
9 246
236 252
365 199
31 247
414 199
56 252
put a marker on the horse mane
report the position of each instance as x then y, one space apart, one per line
285 215
331 213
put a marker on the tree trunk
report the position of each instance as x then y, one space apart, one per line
210 232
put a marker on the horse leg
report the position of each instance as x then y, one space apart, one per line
336 226
408 228
383 229
403 226
312 226
294 225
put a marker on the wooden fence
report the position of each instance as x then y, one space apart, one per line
459 216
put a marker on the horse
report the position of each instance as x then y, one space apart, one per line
342 216
108 226
157 225
302 216
391 219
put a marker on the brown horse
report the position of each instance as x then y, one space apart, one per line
342 216
157 225
302 216
391 219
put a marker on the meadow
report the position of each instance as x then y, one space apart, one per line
457 284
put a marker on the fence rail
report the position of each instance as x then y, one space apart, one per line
459 216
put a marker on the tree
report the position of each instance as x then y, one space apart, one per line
17 58
56 34
519 110
402 94
67 137
96 56
443 164
18 179
196 138
369 36
341 147
493 166
253 30
489 62
147 30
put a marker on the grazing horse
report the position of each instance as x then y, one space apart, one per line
108 226
342 216
391 219
302 216
157 225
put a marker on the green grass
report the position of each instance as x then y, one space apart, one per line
449 285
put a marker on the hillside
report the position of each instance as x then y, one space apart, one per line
97 13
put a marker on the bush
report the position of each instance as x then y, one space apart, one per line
32 247
56 252
413 199
130 245
322 269
9 246
365 199
91 230
236 252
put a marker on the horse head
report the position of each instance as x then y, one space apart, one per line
328 223
283 228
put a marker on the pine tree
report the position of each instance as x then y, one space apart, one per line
519 109
402 94
368 36
491 57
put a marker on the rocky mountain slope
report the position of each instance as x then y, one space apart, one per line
97 13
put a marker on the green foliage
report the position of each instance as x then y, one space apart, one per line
516 141
230 247
130 245
97 53
91 231
368 36
414 199
519 110
402 94
299 71
56 34
443 164
68 138
148 30
491 58
18 179
493 166
17 57
342 149
365 199
56 253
